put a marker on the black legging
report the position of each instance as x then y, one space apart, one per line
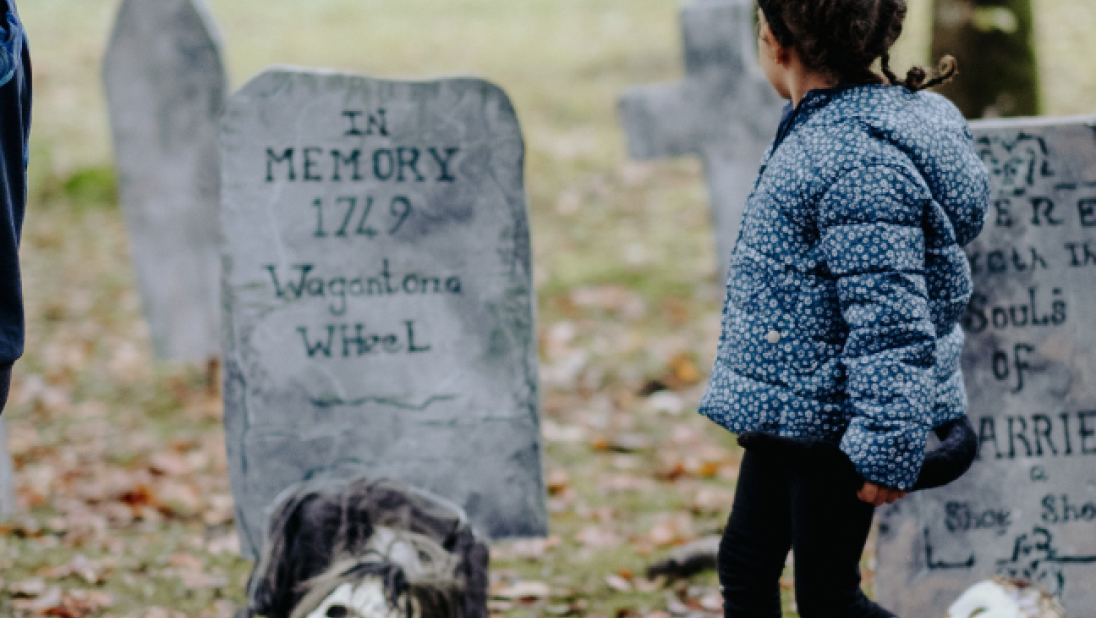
811 510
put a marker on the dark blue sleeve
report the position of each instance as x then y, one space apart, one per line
15 104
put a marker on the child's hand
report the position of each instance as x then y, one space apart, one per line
879 495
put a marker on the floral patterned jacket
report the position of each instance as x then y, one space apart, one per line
848 279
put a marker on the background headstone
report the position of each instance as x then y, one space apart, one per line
7 474
166 89
378 302
725 111
1028 507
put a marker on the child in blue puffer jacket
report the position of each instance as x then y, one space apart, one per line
840 345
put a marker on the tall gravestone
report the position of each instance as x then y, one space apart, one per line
166 88
725 111
1027 509
378 303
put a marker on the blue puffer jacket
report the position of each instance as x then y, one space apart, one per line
848 279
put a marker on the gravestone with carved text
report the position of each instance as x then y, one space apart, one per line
166 88
1027 508
725 111
378 302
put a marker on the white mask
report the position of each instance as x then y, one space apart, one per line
365 599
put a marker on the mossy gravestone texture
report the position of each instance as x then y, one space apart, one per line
725 111
378 303
1028 507
166 88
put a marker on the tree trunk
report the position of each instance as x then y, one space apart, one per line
992 39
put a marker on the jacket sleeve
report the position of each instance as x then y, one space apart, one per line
15 100
873 243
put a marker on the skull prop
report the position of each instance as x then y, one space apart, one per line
1005 598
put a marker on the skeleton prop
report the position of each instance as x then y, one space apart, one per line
1006 598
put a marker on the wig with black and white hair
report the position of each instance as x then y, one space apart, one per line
368 540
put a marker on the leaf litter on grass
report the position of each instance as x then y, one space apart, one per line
125 508
120 463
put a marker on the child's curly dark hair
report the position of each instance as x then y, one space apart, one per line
843 38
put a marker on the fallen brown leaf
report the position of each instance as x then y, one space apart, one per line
71 604
169 463
711 500
526 548
178 499
630 443
593 536
557 481
563 433
712 601
523 590
675 606
29 588
676 530
618 583
227 544
42 603
684 370
671 473
220 510
91 572
186 562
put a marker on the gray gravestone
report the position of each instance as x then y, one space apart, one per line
1028 507
378 303
725 111
7 474
166 88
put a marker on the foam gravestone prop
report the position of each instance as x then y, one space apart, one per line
166 88
368 549
377 293
725 111
1027 508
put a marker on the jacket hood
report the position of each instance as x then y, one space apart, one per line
931 132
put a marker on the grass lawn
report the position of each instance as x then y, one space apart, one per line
125 505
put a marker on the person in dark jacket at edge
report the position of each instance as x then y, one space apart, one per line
15 100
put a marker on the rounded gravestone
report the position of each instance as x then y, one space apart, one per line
166 88
378 303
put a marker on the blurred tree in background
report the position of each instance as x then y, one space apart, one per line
993 41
